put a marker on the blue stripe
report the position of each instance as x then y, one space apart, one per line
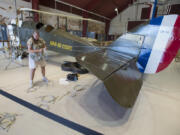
156 21
150 33
143 59
54 117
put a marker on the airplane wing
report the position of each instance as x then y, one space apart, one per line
116 67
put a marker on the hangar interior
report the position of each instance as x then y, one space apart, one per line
96 83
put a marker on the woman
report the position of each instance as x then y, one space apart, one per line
36 46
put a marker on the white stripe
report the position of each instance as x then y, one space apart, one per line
160 43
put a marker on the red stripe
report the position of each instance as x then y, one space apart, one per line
172 47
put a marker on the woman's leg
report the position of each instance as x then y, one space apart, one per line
32 67
32 73
43 71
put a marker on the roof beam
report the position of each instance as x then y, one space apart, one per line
92 4
84 10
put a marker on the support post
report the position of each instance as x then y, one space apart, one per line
85 24
107 29
154 10
35 5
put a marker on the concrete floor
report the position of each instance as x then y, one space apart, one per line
86 102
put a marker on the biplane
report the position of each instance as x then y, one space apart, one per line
147 49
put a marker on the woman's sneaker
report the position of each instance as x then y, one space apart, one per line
45 80
30 84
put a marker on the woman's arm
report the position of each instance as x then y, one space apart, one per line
30 50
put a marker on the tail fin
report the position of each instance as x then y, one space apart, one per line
161 44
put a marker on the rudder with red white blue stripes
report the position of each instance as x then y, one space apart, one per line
161 44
